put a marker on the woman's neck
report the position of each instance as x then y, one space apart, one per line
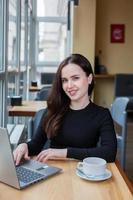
79 105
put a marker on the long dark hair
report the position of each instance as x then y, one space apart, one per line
58 102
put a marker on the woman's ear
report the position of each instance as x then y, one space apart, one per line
90 77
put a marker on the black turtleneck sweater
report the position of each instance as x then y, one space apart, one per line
80 133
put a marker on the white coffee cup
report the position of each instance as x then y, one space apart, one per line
93 166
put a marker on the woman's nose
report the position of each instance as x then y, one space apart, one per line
70 84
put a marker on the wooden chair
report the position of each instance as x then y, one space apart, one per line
119 115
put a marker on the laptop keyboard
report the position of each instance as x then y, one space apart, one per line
26 175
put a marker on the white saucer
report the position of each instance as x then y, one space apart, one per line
103 177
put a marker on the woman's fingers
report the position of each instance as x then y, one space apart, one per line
26 157
21 152
18 158
51 153
41 156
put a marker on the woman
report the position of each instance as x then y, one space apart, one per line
72 122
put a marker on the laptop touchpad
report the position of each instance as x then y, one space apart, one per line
42 168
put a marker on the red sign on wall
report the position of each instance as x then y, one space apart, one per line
117 33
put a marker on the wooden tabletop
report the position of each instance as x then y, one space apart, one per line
34 88
38 88
68 186
28 108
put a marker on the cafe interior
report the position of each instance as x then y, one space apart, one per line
35 36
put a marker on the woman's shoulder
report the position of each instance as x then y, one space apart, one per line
100 113
99 109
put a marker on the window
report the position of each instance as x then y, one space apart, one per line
51 35
51 41
12 33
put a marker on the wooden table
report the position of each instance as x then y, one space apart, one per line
68 186
38 88
28 108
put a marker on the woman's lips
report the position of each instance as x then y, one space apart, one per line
72 92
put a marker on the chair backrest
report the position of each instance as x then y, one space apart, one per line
42 95
34 123
37 119
119 115
118 109
124 85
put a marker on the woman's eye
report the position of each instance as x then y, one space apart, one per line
75 78
64 80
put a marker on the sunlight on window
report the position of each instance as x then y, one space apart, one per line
40 8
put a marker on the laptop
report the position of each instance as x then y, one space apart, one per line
25 174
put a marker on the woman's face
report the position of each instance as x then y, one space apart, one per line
75 82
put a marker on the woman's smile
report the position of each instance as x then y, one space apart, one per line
72 92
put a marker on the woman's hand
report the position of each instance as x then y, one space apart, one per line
47 154
21 152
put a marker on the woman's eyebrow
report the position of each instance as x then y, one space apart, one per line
63 78
71 76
